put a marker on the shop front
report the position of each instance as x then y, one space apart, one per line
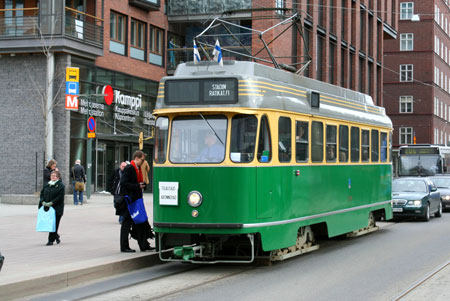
122 107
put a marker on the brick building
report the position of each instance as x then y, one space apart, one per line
417 74
113 43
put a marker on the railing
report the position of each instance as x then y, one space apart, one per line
177 56
23 23
199 7
29 22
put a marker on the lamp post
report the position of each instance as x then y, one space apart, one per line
88 97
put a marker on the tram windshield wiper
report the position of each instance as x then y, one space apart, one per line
211 128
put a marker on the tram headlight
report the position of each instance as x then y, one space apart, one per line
194 199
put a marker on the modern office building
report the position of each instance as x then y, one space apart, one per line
417 74
118 47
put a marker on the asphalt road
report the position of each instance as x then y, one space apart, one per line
378 266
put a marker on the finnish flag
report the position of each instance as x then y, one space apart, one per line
217 53
196 54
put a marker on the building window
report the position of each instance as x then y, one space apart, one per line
406 10
137 40
156 46
406 135
280 4
406 41
118 31
406 104
406 73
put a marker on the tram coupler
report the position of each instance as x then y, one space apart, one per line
188 252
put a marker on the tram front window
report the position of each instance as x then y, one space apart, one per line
419 165
198 139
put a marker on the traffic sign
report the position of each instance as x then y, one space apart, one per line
73 88
71 102
91 124
91 135
72 74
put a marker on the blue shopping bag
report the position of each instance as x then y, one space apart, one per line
46 220
137 210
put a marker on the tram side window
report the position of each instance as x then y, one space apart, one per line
161 131
284 139
331 143
375 145
355 144
365 146
343 143
264 143
383 153
243 138
317 141
301 141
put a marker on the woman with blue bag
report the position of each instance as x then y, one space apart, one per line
52 196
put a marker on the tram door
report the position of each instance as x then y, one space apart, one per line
100 172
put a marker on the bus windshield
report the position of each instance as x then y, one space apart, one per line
426 165
198 139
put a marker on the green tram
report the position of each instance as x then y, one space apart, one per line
252 161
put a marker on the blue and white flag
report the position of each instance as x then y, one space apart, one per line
196 54
217 53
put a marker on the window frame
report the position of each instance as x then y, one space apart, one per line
365 148
287 144
116 16
406 12
299 141
343 151
152 42
317 144
403 132
355 150
134 27
405 69
406 41
404 101
330 144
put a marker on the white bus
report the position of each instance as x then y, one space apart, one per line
423 160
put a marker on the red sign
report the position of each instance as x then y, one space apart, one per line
91 124
71 102
109 97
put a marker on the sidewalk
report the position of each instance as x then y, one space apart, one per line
89 247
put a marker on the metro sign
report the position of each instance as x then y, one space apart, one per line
71 102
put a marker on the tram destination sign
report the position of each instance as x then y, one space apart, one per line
201 91
419 151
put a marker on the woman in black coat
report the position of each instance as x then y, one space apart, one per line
52 195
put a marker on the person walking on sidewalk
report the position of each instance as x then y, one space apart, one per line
52 195
115 183
51 166
78 175
131 184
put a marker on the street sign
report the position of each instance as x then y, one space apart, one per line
91 135
72 74
71 102
73 88
91 124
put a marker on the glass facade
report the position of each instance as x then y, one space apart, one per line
118 123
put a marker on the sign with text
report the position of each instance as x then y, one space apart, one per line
168 193
72 74
71 102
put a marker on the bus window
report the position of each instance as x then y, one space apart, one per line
383 153
375 144
301 141
264 142
161 131
317 141
354 144
243 138
365 146
284 139
343 143
331 143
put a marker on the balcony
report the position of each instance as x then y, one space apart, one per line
66 30
184 10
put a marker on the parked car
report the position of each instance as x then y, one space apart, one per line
443 185
416 197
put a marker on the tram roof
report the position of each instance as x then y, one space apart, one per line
340 103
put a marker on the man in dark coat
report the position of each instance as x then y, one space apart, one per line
52 195
115 183
77 175
132 184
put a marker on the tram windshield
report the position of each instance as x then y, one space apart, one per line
198 139
426 165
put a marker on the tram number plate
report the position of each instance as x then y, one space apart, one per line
397 209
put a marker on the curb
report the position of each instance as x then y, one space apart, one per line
65 279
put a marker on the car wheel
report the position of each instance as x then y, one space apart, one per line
439 212
426 216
